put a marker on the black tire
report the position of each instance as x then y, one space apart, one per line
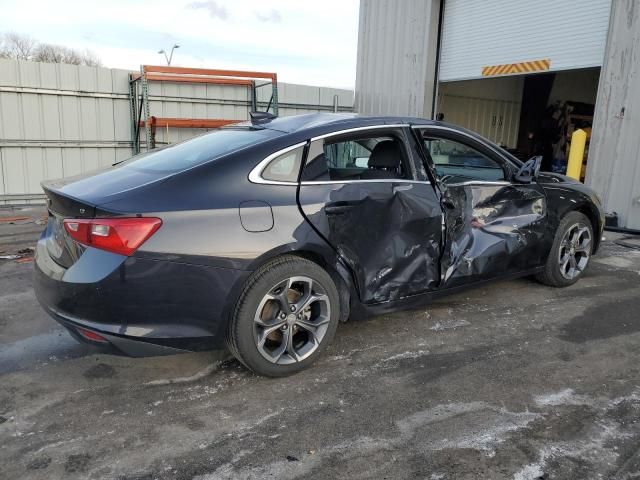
554 274
245 332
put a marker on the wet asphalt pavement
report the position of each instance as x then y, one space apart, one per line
511 380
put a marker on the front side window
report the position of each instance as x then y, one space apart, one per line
358 158
456 162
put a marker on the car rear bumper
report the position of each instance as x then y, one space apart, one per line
140 306
131 346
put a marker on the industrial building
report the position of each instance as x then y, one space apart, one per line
523 74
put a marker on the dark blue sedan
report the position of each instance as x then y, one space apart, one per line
263 236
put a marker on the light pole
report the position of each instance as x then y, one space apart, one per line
170 57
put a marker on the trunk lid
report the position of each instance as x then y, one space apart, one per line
102 186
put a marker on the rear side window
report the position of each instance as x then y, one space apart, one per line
195 151
285 167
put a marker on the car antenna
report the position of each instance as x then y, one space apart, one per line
261 117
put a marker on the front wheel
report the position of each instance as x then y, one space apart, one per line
570 252
286 315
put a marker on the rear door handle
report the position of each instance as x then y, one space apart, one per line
337 209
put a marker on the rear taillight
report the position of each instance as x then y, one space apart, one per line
117 235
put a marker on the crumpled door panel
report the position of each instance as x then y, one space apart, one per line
491 230
388 233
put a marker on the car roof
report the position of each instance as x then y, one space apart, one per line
313 121
311 124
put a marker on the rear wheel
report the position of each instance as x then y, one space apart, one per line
286 315
570 252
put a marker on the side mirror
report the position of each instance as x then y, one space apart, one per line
529 171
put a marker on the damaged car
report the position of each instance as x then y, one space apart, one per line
263 236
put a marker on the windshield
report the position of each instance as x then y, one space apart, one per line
195 151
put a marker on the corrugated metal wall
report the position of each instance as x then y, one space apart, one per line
489 106
396 57
60 120
497 120
613 169
571 33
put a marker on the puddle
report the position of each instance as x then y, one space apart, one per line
48 347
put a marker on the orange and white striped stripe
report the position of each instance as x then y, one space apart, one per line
521 67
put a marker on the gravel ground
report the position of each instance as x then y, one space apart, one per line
511 380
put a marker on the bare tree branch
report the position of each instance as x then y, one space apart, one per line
45 52
17 46
23 47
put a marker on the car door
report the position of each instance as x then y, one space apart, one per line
361 191
493 225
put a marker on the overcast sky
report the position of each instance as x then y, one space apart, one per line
308 42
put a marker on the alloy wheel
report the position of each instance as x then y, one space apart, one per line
575 250
291 320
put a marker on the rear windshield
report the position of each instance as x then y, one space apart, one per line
195 151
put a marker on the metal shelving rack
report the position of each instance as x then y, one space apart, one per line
139 97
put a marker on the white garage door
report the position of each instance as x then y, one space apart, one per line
503 37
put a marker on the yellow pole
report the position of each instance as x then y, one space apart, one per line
576 153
